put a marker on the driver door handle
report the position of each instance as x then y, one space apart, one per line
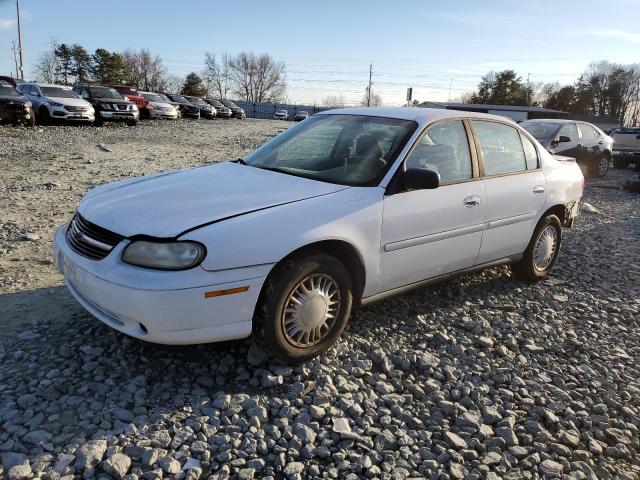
538 189
471 201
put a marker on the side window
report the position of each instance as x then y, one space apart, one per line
85 94
530 153
569 130
501 148
588 131
444 148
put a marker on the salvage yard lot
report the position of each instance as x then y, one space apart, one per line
482 375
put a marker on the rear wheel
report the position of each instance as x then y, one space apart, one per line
542 251
304 307
600 166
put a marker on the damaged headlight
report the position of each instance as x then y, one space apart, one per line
164 255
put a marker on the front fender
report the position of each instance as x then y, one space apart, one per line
353 215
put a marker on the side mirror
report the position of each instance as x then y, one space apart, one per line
420 179
563 139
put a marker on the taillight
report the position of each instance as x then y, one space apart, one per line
584 183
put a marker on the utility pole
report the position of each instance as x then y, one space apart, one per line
19 40
15 55
450 85
369 87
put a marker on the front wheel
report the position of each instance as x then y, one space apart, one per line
542 252
304 307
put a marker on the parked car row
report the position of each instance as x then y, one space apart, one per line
27 102
283 114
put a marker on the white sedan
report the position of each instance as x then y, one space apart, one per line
345 208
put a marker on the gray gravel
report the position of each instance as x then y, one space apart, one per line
480 377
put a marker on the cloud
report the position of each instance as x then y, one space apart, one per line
6 23
627 36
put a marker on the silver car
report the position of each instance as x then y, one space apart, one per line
57 102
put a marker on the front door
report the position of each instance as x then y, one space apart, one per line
427 233
514 187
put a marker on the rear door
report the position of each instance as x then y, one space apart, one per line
514 185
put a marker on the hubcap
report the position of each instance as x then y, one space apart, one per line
311 310
603 166
545 248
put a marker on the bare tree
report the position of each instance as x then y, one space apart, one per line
258 78
144 70
374 101
172 84
334 101
217 75
47 65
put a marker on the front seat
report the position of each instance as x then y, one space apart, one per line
369 154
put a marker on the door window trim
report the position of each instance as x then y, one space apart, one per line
392 186
478 147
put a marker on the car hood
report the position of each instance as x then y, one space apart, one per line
113 100
161 104
167 204
75 102
6 99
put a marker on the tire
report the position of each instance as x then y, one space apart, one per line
600 166
528 268
132 123
620 163
45 116
276 307
32 121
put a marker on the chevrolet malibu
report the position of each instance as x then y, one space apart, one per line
343 209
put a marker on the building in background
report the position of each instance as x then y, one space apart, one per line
516 113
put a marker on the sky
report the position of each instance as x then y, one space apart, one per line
440 48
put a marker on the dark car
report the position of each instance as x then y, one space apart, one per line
298 117
585 142
236 111
223 112
9 80
110 106
14 107
206 110
187 108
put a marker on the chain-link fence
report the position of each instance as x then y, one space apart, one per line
268 110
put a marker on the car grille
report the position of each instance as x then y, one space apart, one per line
90 240
71 108
121 106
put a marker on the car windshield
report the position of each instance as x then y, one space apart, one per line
105 92
540 130
197 101
165 98
352 150
57 92
303 113
215 103
178 98
229 103
7 90
152 97
127 90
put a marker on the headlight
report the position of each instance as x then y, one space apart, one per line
27 104
164 256
106 106
54 104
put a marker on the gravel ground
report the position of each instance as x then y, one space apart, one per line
479 377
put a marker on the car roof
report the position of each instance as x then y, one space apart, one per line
418 114
551 120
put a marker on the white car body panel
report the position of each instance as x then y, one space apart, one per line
59 112
250 219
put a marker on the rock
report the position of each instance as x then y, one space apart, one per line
484 342
28 400
256 356
470 419
259 412
491 415
293 467
161 438
341 425
90 454
305 433
454 440
508 435
117 465
588 208
31 237
246 474
551 469
11 459
37 437
169 465
19 472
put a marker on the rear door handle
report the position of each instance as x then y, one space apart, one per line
471 201
538 189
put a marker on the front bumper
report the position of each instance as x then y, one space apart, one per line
65 115
160 306
119 116
168 115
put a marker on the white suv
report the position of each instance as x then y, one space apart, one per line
57 102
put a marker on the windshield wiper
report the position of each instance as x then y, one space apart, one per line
280 170
240 161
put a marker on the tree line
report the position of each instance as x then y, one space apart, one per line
603 89
246 75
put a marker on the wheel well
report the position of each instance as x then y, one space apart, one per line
560 211
344 252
